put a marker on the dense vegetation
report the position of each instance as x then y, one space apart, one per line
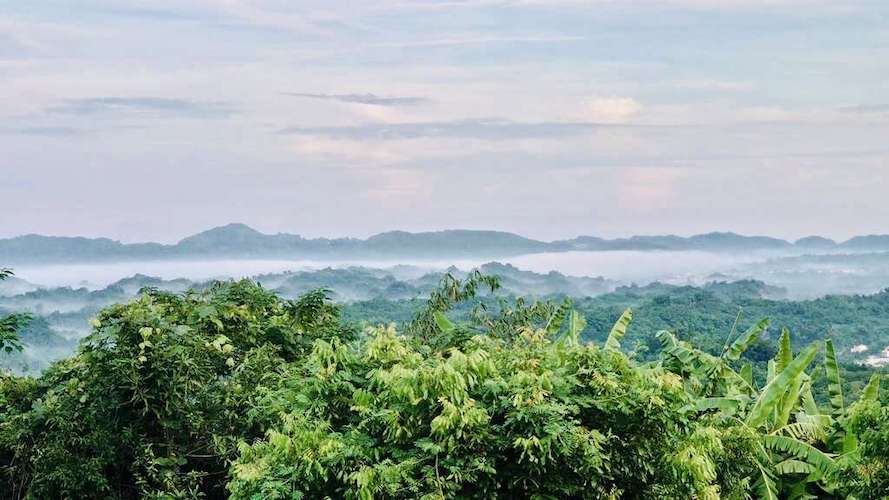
233 391
397 294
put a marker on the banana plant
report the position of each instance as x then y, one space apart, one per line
791 461
619 330
710 376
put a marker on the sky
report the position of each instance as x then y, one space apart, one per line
153 120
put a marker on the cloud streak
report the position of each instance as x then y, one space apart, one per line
41 131
142 106
371 99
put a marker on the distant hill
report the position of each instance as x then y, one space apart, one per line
243 242
872 242
704 242
815 243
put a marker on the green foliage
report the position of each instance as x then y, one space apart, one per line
866 474
619 330
10 325
157 397
388 418
835 384
233 391
771 395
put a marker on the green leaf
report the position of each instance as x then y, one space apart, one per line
772 393
785 352
739 346
747 373
444 324
726 405
793 466
765 485
802 450
619 330
871 391
808 399
558 317
789 402
810 431
576 324
834 382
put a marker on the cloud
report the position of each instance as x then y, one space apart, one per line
612 109
151 106
371 99
488 129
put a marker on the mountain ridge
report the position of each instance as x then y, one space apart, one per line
236 240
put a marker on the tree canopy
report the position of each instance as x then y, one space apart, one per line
235 392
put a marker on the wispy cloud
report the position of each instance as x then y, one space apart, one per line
371 99
157 106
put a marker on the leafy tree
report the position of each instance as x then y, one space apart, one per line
9 325
157 397
388 418
865 474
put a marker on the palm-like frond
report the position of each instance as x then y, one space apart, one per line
801 450
765 485
619 330
734 352
834 381
871 391
810 431
794 466
772 393
785 352
554 324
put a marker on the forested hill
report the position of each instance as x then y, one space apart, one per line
241 241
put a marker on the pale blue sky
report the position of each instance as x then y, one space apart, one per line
152 120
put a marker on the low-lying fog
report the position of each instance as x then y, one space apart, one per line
624 266
806 276
55 293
